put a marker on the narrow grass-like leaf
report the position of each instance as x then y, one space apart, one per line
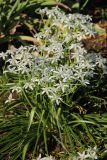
31 118
25 151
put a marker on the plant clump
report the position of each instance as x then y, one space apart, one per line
40 85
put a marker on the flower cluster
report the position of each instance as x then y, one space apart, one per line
62 61
90 153
45 158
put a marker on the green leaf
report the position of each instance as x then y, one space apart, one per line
84 5
13 8
24 151
31 118
51 2
1 1
75 5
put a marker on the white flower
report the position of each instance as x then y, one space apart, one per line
29 85
89 153
83 155
18 89
55 98
45 158
3 55
61 86
10 98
